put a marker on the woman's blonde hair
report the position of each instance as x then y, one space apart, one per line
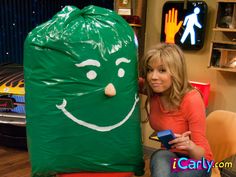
173 59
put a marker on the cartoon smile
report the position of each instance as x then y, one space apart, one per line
62 107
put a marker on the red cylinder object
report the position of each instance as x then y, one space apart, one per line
204 88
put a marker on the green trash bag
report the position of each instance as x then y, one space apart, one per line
82 105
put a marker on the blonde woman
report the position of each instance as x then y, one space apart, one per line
175 105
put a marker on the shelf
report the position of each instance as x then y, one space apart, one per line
224 42
222 69
224 29
225 49
134 25
228 1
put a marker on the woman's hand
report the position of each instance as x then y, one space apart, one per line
182 141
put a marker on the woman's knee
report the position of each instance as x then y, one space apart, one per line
162 156
160 163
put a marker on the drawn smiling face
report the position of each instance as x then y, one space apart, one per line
108 95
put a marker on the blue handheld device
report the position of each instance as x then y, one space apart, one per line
166 136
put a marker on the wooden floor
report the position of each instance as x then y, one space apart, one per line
15 163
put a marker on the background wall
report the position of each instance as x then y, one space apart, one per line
223 84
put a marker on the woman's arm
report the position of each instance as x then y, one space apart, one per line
195 151
193 141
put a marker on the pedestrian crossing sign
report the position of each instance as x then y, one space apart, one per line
184 24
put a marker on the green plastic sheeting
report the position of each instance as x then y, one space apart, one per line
72 126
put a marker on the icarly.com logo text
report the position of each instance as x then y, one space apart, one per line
184 164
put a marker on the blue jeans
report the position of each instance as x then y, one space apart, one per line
160 166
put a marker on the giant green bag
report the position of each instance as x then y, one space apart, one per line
72 125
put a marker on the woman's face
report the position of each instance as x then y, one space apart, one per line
159 79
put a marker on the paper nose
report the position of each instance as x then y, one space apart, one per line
110 90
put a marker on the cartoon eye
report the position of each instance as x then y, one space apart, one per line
91 75
121 71
90 62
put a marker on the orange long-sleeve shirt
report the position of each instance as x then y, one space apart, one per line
189 117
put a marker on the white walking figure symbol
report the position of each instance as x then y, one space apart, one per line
190 21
